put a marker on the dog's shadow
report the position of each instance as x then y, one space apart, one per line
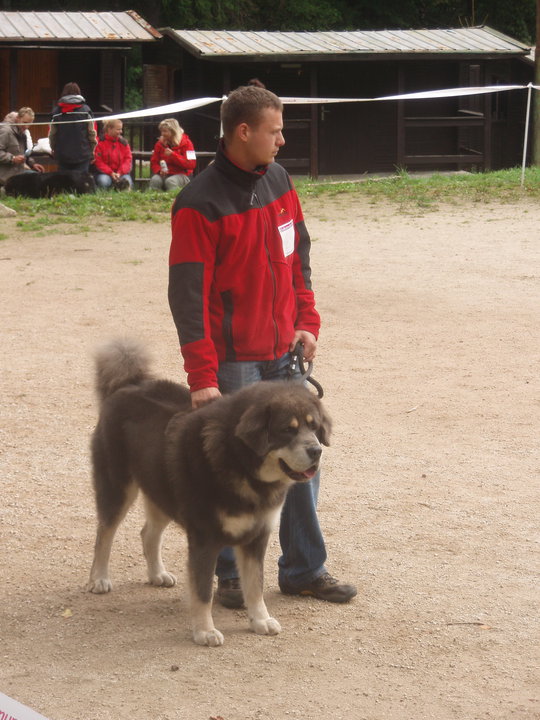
140 613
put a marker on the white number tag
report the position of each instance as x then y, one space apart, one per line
287 237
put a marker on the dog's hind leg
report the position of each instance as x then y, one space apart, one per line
250 562
152 538
99 574
201 566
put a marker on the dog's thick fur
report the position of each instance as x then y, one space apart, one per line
222 472
46 184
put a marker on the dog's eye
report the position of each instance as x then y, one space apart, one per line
291 430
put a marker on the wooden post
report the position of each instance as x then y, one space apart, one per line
536 114
400 120
314 125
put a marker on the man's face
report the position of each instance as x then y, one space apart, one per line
24 120
262 142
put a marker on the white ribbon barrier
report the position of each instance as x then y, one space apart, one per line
185 105
176 107
453 92
12 710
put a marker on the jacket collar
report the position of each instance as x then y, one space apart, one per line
244 178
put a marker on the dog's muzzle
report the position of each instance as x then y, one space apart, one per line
299 476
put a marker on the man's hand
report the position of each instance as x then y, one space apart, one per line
204 396
309 342
38 168
18 159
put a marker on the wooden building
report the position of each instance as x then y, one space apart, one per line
41 51
480 132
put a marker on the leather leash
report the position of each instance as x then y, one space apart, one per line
297 364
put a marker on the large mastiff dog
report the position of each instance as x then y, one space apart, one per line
221 472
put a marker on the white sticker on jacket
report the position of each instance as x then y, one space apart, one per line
287 237
191 155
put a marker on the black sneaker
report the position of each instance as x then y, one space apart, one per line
324 587
229 593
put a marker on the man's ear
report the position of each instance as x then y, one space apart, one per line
252 430
242 132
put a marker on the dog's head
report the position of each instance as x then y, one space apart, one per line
285 427
83 183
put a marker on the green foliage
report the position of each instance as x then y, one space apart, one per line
300 15
208 14
251 14
134 94
513 17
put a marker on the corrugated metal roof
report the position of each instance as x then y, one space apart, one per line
79 26
214 44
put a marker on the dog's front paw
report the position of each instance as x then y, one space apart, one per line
211 638
163 579
269 626
99 586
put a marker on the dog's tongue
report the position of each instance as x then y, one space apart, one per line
310 473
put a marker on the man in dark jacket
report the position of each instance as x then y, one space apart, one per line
72 143
241 297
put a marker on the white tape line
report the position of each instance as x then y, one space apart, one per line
184 105
181 106
164 109
451 92
319 101
454 92
11 709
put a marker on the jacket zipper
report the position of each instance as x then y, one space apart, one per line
255 197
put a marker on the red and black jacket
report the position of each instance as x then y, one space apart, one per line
72 142
239 277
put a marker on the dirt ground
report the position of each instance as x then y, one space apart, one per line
430 359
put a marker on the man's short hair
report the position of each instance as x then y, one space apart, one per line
245 105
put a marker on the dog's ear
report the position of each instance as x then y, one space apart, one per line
252 429
325 429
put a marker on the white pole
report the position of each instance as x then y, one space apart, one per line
526 138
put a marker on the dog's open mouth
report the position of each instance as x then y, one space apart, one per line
296 475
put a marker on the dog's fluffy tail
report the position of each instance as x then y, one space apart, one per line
119 363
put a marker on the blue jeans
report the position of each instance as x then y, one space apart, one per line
105 181
302 544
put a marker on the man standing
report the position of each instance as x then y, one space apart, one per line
13 146
72 143
240 295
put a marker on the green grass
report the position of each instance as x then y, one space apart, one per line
427 191
85 212
69 213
